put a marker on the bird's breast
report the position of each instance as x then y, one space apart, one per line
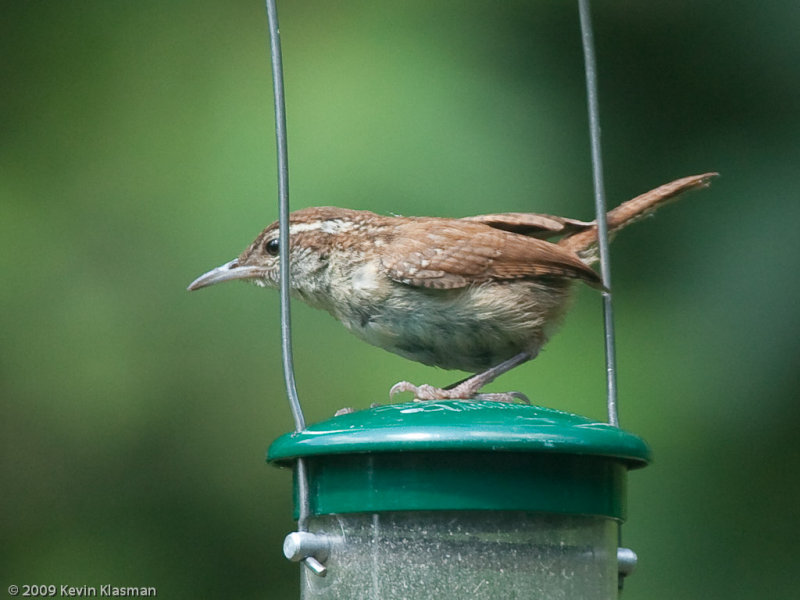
470 329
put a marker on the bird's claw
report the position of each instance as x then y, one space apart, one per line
429 392
421 392
509 397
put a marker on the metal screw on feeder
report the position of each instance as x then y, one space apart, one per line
444 499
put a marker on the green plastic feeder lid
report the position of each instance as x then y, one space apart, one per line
464 455
462 425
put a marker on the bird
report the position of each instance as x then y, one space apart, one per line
481 294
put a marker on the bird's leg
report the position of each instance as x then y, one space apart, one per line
469 387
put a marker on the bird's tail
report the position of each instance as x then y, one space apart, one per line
584 243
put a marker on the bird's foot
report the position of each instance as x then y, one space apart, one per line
458 392
467 389
509 397
424 392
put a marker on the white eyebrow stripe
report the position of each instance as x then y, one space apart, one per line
329 226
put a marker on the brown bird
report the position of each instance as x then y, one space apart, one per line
481 294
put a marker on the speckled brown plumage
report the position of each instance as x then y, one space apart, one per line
479 293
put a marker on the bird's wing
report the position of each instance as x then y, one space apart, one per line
531 224
454 253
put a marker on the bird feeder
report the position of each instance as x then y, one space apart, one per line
458 499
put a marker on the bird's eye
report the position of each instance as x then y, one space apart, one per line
272 247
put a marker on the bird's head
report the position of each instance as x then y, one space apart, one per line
259 263
314 234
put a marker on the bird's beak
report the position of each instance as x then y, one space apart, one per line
227 272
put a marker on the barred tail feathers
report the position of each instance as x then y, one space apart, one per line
584 243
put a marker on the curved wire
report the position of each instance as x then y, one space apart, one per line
600 208
283 220
283 213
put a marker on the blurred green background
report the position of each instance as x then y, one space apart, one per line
137 152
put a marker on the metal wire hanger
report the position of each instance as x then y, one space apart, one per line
283 220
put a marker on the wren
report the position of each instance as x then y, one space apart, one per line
480 294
